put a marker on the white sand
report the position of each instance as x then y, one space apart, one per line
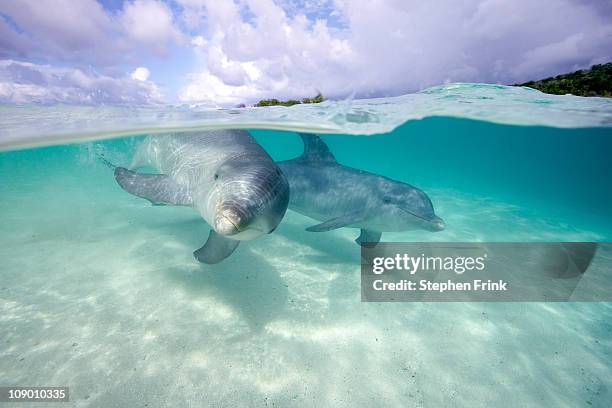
100 292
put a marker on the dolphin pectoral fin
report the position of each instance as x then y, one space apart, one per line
216 248
338 222
368 238
159 189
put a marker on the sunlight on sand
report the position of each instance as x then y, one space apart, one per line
99 291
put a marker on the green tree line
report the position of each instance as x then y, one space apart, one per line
596 81
275 102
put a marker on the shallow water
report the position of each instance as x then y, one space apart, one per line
99 290
29 125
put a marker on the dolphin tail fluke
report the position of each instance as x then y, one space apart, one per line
368 238
216 248
159 189
315 149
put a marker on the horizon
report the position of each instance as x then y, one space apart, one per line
235 52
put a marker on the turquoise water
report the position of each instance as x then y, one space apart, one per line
99 290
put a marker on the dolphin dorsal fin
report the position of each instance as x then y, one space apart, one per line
315 149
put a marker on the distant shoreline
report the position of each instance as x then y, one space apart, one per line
596 81
275 102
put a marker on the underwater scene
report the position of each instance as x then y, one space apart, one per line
100 290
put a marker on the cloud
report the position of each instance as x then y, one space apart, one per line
141 74
84 32
150 23
260 48
236 51
61 29
23 82
273 55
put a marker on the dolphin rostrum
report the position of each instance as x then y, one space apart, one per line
341 196
224 175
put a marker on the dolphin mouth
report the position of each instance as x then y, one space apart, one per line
232 222
225 225
435 224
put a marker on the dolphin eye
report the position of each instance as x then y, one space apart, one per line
216 176
387 200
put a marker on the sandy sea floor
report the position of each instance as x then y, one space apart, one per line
99 291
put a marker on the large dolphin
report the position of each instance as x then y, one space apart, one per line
341 196
224 175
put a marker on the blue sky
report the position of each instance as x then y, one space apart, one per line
225 52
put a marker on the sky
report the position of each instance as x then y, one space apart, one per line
228 52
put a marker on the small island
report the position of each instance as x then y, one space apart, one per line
275 102
596 81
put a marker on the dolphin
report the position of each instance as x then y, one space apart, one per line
224 175
341 196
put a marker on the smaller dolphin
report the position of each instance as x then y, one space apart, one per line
341 196
224 175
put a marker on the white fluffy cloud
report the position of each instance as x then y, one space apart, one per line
150 23
275 54
260 48
83 32
60 29
96 43
141 74
235 51
23 82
